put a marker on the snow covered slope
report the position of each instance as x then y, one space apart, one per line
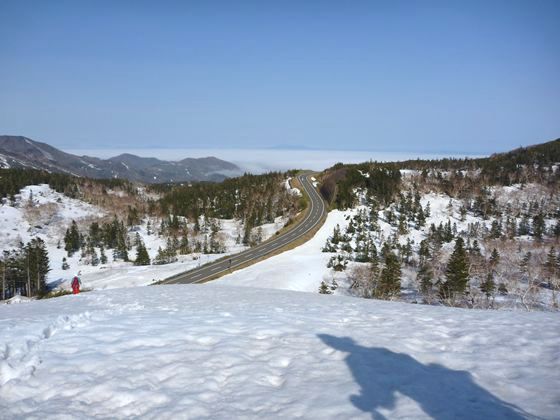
302 268
213 351
305 267
42 212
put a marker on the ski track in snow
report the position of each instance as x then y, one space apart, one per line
217 351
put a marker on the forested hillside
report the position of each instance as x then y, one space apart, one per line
481 233
89 224
531 164
13 180
475 233
255 199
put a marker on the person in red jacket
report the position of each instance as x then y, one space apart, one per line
76 283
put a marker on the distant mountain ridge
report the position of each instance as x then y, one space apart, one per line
22 152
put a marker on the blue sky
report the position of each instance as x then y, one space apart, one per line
426 76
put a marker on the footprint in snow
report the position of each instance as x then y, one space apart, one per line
207 341
275 381
280 362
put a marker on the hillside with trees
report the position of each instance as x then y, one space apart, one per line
480 233
114 223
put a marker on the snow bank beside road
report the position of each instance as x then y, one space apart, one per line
223 352
301 269
292 190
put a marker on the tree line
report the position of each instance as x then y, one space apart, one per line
24 270
519 166
12 180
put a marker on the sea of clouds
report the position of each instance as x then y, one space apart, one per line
263 160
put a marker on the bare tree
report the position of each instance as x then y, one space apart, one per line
362 280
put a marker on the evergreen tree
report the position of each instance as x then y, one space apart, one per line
184 247
337 263
161 257
511 227
551 267
102 256
329 247
94 257
374 274
121 246
389 284
390 217
448 232
336 235
372 252
37 266
324 289
502 289
524 263
72 239
494 258
171 246
424 251
122 251
488 286
425 278
538 226
417 205
334 285
523 228
475 249
427 210
13 275
420 218
205 247
374 217
247 232
406 251
142 257
457 273
496 229
386 249
132 216
165 256
95 234
137 239
403 228
463 213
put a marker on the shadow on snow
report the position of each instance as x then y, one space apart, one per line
442 393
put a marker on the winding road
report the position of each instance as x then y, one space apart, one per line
316 212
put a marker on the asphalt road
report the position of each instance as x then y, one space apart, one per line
316 212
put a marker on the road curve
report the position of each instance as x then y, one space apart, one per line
314 216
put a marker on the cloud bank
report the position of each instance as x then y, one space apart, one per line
264 160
